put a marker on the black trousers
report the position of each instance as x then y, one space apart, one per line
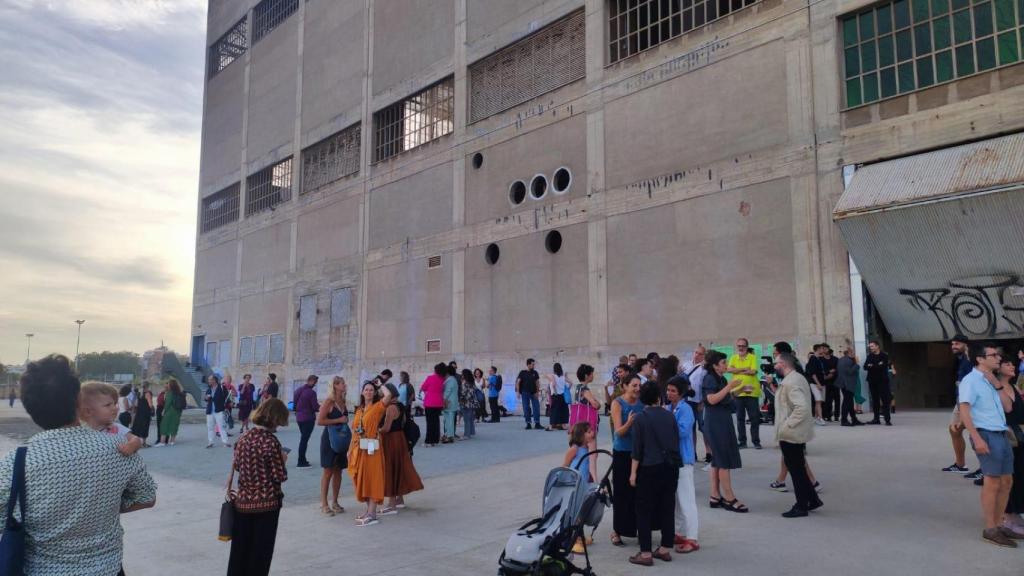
748 406
832 406
881 398
252 543
495 409
305 431
796 462
848 413
433 426
656 504
623 499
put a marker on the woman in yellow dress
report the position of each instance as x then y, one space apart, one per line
365 457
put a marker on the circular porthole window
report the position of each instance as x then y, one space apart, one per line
478 160
492 254
539 186
517 192
553 241
561 180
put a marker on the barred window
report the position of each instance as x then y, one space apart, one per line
908 45
550 58
262 350
230 47
268 187
636 25
220 209
277 348
420 118
331 159
269 14
245 350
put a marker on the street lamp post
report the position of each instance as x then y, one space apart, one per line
78 342
28 352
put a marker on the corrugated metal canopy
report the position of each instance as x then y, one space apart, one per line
939 240
943 173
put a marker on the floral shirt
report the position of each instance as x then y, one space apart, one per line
261 471
467 396
76 484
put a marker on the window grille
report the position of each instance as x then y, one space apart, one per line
636 25
220 209
331 159
262 351
550 58
433 262
341 307
898 47
229 47
277 348
420 118
245 350
268 187
269 14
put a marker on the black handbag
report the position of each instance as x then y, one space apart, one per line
12 544
227 509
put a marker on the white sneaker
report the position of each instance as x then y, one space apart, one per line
158 445
706 467
819 422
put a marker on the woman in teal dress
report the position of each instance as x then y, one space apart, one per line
451 406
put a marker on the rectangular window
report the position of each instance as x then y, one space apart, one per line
636 25
925 42
549 58
261 350
341 307
277 348
269 14
331 159
420 118
220 209
245 350
211 354
268 187
230 47
433 346
224 354
307 313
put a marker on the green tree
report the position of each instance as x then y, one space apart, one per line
103 365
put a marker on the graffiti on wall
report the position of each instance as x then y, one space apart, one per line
986 306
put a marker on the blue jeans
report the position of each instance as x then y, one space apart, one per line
531 408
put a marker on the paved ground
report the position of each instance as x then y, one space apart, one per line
888 510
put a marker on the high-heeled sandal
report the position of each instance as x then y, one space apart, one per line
734 505
716 502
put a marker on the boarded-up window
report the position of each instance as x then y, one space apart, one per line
331 159
262 349
211 354
245 350
550 58
224 355
277 348
341 307
433 346
307 313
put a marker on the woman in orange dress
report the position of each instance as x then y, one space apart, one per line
365 457
400 476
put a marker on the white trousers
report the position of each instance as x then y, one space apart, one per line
686 504
212 421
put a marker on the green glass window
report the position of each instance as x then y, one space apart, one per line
982 20
944 66
940 32
1008 53
905 45
986 54
868 61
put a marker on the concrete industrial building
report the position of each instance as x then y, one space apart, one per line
392 183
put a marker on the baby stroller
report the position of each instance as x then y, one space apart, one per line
768 402
543 546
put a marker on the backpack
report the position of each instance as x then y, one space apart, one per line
497 385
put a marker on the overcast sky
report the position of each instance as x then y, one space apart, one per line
100 114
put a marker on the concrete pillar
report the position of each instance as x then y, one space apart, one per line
458 257
597 254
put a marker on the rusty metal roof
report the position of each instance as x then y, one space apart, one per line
977 167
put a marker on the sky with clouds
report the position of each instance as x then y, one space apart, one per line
100 116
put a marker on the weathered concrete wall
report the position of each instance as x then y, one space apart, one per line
221 158
392 220
328 233
273 77
407 304
333 67
266 251
263 313
216 266
410 36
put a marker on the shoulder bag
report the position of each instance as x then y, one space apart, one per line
12 544
227 509
340 437
582 411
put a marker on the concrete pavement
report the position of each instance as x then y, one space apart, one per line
888 510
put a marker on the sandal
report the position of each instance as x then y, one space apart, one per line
338 508
734 505
326 511
687 546
716 502
640 560
367 521
665 556
617 540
